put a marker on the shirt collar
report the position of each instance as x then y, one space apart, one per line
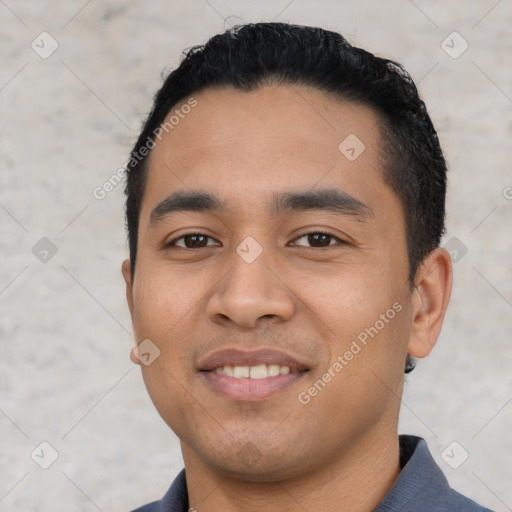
420 476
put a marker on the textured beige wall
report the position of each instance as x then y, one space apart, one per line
67 123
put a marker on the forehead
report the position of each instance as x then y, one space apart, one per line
243 145
293 112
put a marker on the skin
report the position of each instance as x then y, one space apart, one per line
339 451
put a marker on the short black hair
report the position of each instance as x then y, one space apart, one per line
252 55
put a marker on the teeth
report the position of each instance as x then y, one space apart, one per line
241 372
260 371
273 370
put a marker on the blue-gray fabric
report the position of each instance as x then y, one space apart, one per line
420 487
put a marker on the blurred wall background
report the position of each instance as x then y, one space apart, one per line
76 81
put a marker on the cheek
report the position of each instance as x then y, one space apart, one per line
345 296
163 307
365 320
168 387
162 299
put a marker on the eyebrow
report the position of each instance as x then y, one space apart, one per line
332 200
195 201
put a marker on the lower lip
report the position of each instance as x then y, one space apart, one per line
250 390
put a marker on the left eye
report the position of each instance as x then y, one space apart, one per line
317 240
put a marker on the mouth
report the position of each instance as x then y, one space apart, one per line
260 371
251 376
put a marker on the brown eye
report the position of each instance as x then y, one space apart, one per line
317 239
192 241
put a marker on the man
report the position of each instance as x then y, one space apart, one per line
285 205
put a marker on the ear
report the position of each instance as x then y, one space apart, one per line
127 274
430 297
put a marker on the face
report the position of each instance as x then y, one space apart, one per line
271 275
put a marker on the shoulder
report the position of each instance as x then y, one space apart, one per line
422 486
459 503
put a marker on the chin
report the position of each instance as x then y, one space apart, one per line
262 468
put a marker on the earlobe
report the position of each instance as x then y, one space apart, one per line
431 294
133 357
126 271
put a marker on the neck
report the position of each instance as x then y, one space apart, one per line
356 482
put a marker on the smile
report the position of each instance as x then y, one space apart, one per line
250 376
261 371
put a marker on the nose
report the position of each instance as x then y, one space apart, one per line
250 292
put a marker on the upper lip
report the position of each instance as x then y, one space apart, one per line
235 357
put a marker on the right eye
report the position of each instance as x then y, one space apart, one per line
191 241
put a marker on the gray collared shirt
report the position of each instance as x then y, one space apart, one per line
420 487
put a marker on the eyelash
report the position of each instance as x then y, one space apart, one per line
172 243
338 240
